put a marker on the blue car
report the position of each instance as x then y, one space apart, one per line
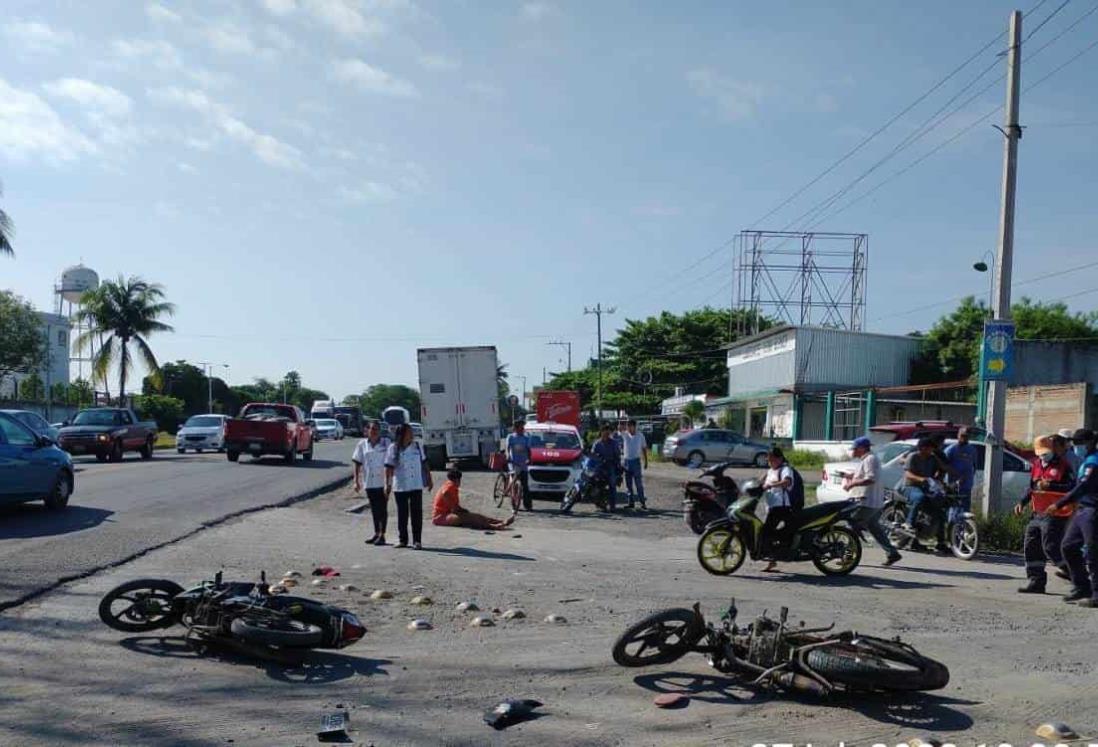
32 467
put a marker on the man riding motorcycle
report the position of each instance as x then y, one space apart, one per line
922 476
606 453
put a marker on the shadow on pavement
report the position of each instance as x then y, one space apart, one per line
471 552
962 574
33 520
707 688
299 464
868 582
315 668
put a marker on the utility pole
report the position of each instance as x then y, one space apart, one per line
207 368
598 311
523 392
568 346
997 390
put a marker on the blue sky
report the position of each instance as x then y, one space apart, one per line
325 185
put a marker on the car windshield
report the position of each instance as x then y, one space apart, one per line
554 440
888 452
327 423
97 417
202 421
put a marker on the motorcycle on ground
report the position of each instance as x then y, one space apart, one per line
239 615
943 506
821 534
703 502
773 653
590 486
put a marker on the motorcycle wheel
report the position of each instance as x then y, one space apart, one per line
569 500
277 632
849 558
661 638
699 519
146 605
892 518
877 665
721 551
964 538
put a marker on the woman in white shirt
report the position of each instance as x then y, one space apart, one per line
369 470
406 475
778 483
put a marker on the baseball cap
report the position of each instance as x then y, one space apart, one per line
1042 444
1082 436
861 442
1065 432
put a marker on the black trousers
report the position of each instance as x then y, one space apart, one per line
379 508
771 535
410 502
1043 537
1080 548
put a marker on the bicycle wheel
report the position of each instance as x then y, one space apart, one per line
518 496
500 489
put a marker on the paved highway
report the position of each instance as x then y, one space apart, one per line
119 510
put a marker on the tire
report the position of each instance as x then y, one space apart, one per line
234 456
761 460
894 516
308 455
290 456
116 451
278 632
671 634
698 520
721 551
569 500
695 459
147 450
58 496
499 490
99 457
964 538
851 558
139 620
878 666
180 451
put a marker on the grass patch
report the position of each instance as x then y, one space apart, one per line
165 440
802 459
1002 532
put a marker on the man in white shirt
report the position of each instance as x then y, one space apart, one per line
369 473
635 457
864 485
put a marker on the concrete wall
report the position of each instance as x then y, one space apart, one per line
1037 363
762 365
1039 410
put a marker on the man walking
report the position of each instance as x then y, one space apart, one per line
1080 546
864 485
1044 533
635 456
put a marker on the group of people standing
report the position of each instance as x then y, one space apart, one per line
398 468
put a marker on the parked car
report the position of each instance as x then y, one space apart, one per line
905 430
893 456
202 432
108 432
328 428
35 422
695 448
268 428
556 451
32 467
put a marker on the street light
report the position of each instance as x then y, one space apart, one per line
208 368
986 264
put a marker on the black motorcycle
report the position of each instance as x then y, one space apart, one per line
770 652
703 502
940 515
591 486
241 615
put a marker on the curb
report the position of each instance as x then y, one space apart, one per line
210 524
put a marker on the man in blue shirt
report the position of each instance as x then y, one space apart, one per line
608 456
518 457
1080 546
961 459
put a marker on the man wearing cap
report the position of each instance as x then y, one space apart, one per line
1072 458
1080 546
864 485
1045 533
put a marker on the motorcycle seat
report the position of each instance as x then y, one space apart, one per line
811 513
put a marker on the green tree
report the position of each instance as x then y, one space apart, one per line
22 344
379 396
695 410
32 388
79 393
119 313
7 231
167 412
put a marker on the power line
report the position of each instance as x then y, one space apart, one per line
1048 18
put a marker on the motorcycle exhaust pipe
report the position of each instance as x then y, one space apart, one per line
803 684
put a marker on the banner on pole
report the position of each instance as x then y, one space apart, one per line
997 355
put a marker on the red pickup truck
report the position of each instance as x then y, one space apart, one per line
264 428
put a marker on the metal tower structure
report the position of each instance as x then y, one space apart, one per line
801 278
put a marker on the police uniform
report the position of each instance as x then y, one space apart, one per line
1080 545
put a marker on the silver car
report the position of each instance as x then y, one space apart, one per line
695 448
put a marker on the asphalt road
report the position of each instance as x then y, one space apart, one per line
119 510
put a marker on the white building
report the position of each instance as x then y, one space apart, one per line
55 368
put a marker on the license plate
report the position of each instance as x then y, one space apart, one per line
256 447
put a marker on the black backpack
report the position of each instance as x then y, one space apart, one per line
796 493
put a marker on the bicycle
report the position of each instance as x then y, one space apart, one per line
509 484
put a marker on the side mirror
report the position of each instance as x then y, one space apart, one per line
65 423
43 441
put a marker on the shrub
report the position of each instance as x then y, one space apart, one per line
802 459
166 411
1002 532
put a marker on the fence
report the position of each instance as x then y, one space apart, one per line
54 412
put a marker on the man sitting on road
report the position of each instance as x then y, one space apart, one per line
865 486
449 513
923 468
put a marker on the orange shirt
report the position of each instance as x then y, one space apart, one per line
446 500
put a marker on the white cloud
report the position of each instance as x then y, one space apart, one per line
95 98
735 100
537 11
345 17
156 52
369 191
229 39
161 14
279 7
438 62
186 168
486 91
372 79
36 36
29 128
266 148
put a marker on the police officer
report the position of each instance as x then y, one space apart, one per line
1044 533
1080 546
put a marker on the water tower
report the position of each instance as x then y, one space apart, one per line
75 282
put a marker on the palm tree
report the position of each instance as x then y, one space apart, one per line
117 313
7 230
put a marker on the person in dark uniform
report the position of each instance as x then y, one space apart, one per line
1080 546
1045 533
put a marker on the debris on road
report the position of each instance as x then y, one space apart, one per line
1056 730
514 614
671 700
326 571
292 574
481 621
556 619
422 601
348 587
511 712
419 624
467 607
319 581
381 594
333 726
289 583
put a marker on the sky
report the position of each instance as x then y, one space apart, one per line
327 185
